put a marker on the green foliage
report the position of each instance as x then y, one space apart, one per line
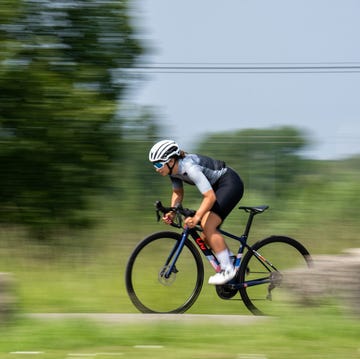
61 79
268 160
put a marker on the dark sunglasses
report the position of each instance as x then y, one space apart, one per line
159 164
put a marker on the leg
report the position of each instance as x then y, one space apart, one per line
210 222
216 241
229 190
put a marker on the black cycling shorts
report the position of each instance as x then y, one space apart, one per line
229 190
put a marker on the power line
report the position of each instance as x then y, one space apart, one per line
248 68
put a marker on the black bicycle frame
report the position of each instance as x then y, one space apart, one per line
216 265
209 255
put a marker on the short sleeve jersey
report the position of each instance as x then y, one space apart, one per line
198 170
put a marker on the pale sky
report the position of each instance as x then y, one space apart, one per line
298 33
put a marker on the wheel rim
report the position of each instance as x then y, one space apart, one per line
147 285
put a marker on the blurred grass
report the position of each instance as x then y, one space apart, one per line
85 273
310 333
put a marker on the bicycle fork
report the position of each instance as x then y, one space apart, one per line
170 264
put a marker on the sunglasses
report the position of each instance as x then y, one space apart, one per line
159 164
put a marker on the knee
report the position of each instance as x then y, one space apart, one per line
209 231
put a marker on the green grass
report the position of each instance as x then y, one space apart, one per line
86 274
324 333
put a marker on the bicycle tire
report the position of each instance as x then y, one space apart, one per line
285 254
151 292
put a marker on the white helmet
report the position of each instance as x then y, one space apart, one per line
164 150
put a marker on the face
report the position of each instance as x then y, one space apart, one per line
162 168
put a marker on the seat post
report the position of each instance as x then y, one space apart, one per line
249 223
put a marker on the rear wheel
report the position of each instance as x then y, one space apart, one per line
262 271
151 287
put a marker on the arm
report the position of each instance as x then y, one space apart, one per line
207 202
209 197
177 196
176 199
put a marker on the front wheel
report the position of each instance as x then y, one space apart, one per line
152 287
262 271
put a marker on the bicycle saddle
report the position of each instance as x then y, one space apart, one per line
256 209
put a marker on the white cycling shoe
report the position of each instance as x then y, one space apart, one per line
222 277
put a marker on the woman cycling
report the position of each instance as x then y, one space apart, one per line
220 186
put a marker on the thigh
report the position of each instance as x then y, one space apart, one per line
229 190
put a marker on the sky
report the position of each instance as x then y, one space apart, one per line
310 78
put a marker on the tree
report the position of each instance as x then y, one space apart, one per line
62 76
267 159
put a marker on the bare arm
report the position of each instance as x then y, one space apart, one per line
177 197
207 202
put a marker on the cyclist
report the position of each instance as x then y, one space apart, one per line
220 186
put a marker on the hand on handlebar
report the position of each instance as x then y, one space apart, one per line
168 217
191 222
173 215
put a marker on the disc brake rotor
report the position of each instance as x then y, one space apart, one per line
162 278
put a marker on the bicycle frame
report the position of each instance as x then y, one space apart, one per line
170 265
208 253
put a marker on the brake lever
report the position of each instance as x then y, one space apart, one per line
178 209
161 210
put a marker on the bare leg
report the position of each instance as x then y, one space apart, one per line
216 241
212 236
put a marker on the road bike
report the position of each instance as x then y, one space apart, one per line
165 272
